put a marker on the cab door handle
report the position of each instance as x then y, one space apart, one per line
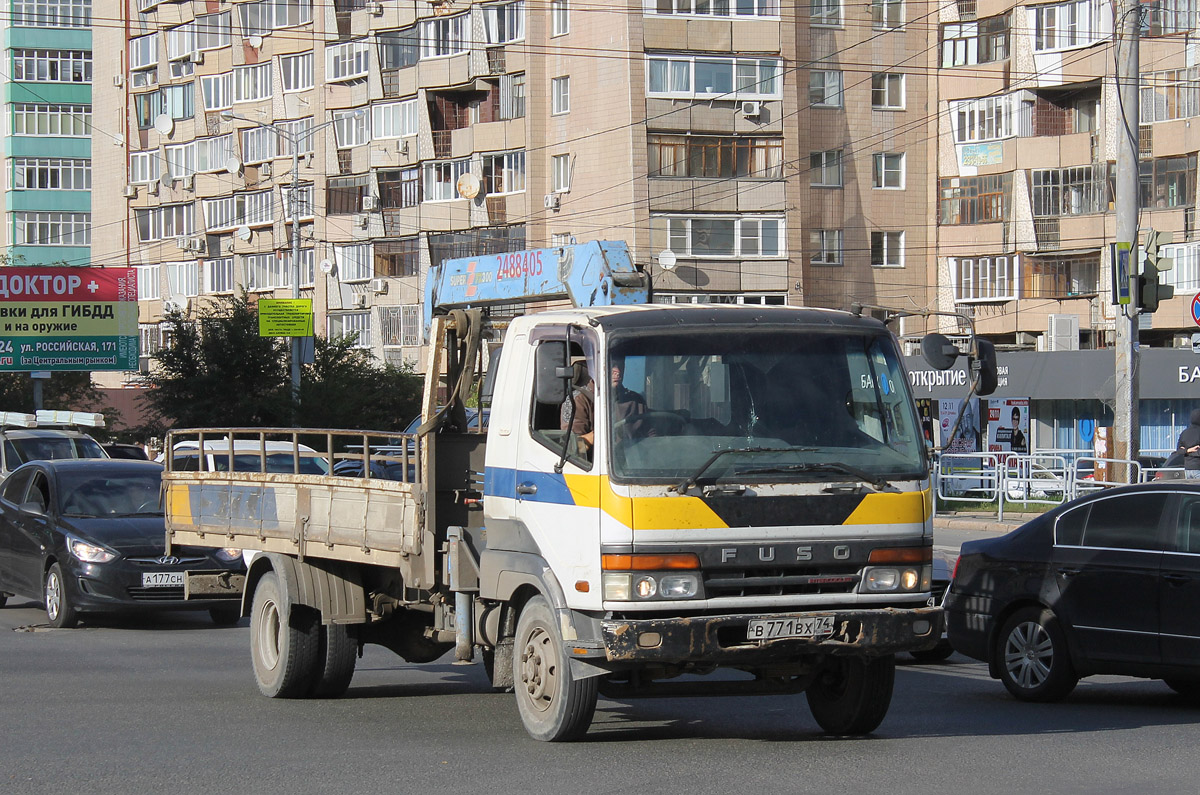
1068 571
526 488
1177 579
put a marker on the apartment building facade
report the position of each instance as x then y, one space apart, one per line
46 201
691 129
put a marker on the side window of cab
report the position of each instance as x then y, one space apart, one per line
570 423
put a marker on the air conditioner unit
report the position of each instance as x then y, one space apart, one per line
264 170
379 286
196 57
130 192
376 9
118 81
189 182
358 300
184 243
751 110
153 188
550 201
1062 333
370 203
199 245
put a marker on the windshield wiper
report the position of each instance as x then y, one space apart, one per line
879 483
685 484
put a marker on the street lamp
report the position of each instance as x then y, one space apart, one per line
294 138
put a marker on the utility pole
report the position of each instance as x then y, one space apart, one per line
1126 426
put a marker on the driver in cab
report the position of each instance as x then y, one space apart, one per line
580 418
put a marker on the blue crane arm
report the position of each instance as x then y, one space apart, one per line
597 273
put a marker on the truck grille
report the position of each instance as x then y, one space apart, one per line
765 581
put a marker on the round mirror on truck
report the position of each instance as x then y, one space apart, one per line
939 351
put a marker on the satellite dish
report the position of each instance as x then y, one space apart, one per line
164 124
233 166
468 186
254 41
327 266
243 233
667 259
165 179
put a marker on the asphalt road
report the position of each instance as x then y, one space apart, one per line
169 705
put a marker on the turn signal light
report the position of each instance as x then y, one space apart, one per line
902 555
683 560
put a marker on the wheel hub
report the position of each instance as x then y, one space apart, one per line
537 672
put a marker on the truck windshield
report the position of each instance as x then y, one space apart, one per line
795 401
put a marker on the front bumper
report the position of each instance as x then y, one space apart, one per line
118 587
722 639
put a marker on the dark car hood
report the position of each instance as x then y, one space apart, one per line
128 535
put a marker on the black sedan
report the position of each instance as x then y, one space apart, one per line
1106 584
88 536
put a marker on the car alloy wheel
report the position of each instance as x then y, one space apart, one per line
1032 657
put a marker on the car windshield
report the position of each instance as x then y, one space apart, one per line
89 494
277 462
48 448
792 405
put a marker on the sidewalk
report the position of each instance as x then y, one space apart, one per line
965 520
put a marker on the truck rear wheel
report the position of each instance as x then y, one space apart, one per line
852 695
554 706
336 658
284 644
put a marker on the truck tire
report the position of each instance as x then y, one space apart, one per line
554 706
284 644
336 658
852 695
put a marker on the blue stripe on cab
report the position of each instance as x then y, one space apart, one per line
502 482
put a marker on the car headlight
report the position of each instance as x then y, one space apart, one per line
89 553
229 554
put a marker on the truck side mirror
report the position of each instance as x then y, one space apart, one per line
988 378
939 351
552 372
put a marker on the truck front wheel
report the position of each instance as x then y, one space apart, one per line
852 694
554 706
284 644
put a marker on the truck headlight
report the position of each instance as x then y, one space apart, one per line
619 586
888 579
678 586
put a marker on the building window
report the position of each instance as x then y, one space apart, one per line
887 249
252 83
344 195
351 128
218 275
1071 24
199 156
560 173
512 96
52 229
51 66
887 91
398 258
351 324
1164 17
1060 277
700 76
443 36
266 272
743 236
355 263
149 334
51 173
143 55
143 167
985 119
504 23
887 14
217 91
164 222
209 32
1070 191
263 16
711 8
67 121
504 172
560 95
888 171
1186 273
240 209
183 278
984 278
51 14
721 157
825 89
400 325
399 188
740 299
974 200
399 48
348 61
258 144
440 177
307 266
1166 182
825 12
297 71
560 18
1170 94
304 200
149 288
178 102
826 246
969 43
394 119
825 169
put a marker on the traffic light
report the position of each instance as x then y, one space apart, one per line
1150 289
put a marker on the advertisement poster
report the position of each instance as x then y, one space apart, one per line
1008 425
967 438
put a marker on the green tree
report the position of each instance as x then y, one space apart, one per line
347 387
65 391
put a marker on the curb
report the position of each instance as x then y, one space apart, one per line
974 523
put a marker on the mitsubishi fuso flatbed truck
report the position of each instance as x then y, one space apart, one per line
659 491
